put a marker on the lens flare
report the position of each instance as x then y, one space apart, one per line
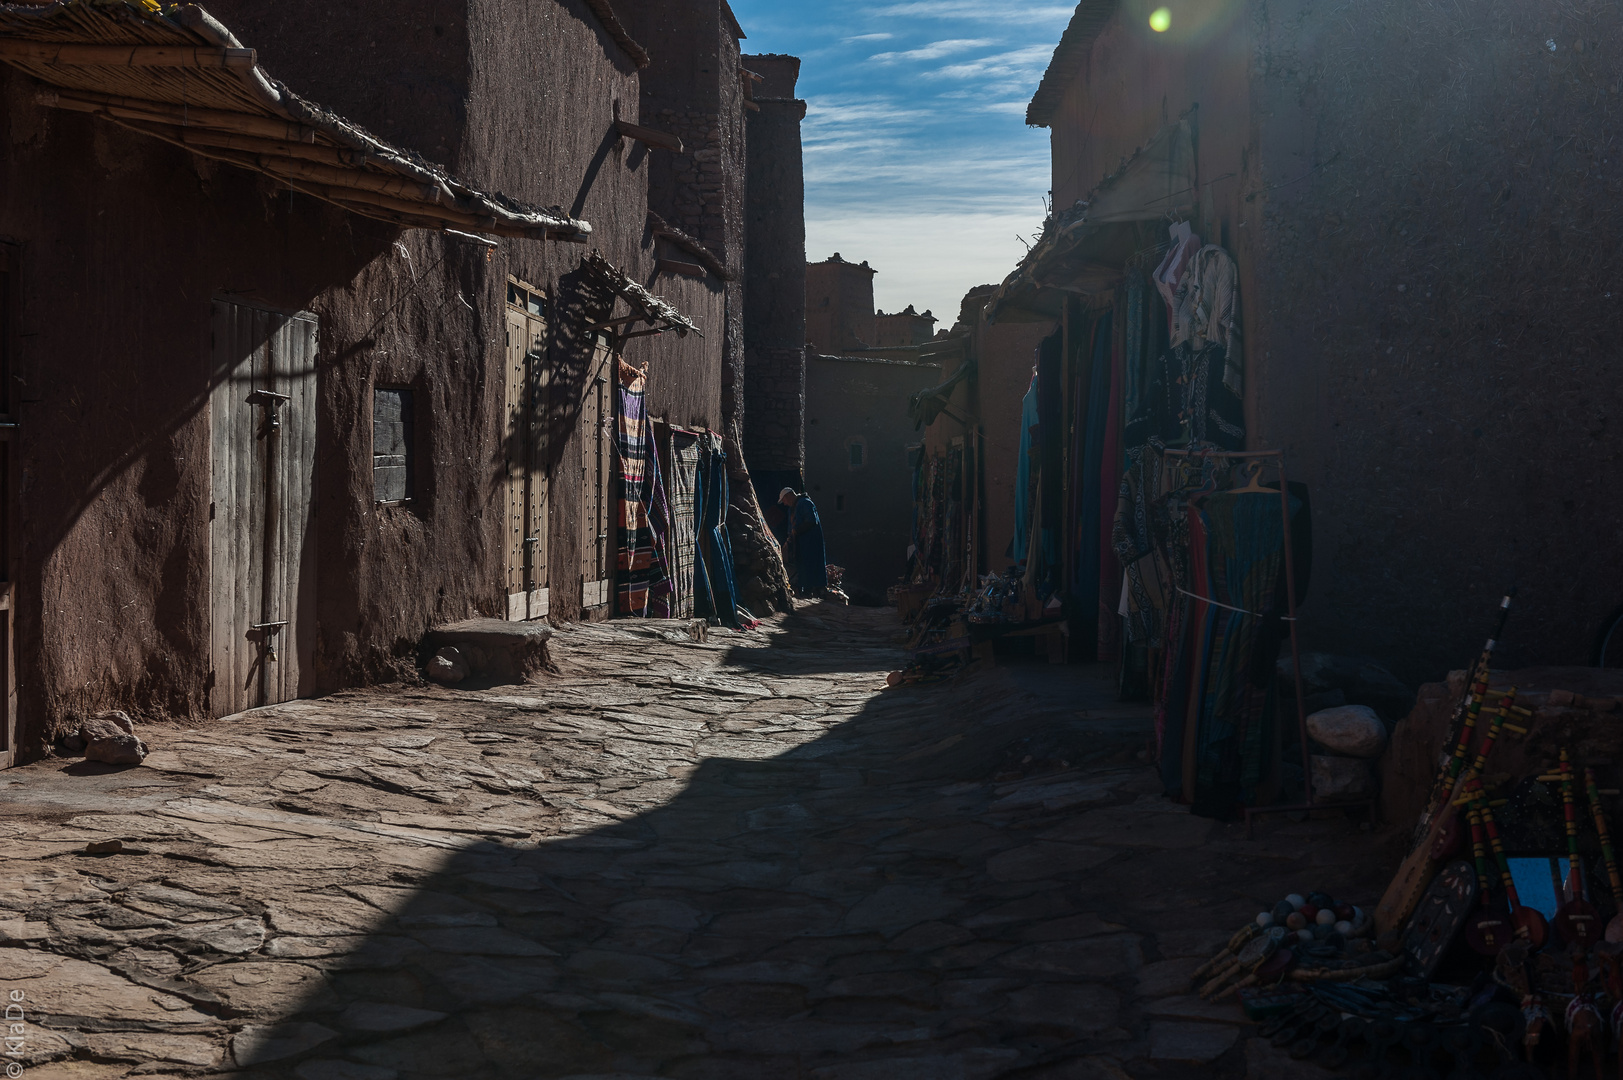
1161 20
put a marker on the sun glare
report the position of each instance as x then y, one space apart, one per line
1161 20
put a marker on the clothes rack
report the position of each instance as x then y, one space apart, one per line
1277 459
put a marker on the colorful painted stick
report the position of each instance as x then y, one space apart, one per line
1614 928
1576 920
1530 924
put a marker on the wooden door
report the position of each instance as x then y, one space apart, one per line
525 457
8 507
262 414
597 471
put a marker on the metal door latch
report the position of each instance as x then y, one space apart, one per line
270 645
273 403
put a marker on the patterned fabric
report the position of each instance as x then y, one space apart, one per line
636 538
1138 537
684 543
661 589
717 593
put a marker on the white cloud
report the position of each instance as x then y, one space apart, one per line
1025 65
929 260
1002 11
934 51
867 37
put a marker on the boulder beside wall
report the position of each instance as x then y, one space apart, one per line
1576 707
109 738
1338 778
1350 731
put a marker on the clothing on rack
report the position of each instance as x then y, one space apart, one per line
1205 312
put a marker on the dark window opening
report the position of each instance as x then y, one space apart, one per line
393 460
526 300
858 454
839 503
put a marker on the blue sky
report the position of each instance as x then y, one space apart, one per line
918 158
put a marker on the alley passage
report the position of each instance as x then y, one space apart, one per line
742 858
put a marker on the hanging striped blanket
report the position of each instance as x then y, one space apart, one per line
636 539
661 589
683 541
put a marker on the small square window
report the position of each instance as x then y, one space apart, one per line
859 453
393 473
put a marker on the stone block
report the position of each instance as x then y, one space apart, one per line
495 650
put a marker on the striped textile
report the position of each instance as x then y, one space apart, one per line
683 546
636 539
661 590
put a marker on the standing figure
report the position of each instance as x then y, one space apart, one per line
803 541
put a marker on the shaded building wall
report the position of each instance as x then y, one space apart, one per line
867 508
1424 263
775 281
903 328
122 243
693 89
839 305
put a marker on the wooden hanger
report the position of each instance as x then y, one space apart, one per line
1254 487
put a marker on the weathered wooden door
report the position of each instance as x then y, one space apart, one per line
597 470
8 506
528 507
262 415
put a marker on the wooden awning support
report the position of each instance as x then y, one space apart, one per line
658 140
646 307
119 62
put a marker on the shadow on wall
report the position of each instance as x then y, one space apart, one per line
775 917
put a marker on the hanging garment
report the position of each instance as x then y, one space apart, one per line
636 539
810 553
1170 274
719 592
1205 312
1050 443
1213 413
661 588
1087 567
1138 537
684 544
1024 469
1109 623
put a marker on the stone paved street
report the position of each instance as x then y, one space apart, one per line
741 858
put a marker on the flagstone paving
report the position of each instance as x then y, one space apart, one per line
738 858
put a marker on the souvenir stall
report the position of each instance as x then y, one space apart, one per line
1496 950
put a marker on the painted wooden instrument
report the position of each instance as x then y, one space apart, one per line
1489 930
1463 721
1530 923
1576 920
1614 928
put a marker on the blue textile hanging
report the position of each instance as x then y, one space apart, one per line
1087 544
1022 484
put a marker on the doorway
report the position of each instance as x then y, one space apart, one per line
262 416
525 454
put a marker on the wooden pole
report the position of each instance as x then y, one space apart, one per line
134 56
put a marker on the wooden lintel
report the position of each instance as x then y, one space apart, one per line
644 333
751 106
154 56
660 140
685 269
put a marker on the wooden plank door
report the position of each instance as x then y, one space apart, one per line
262 415
597 471
525 459
8 507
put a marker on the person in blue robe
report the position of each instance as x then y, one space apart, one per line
803 541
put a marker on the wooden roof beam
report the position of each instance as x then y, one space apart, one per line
181 115
659 140
138 56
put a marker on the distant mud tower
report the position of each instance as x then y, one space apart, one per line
775 280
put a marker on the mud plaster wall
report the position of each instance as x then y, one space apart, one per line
867 511
116 282
839 306
775 283
1007 353
1440 297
